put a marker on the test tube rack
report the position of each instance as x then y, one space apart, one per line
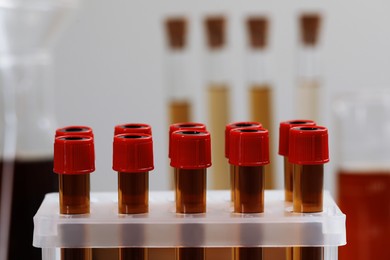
278 226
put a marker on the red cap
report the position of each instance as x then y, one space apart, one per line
133 128
191 149
249 147
309 145
183 126
74 154
133 152
236 125
74 130
284 131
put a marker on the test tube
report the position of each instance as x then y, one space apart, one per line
228 128
308 152
179 103
74 130
308 74
133 128
190 158
284 131
218 91
259 83
249 152
133 159
74 160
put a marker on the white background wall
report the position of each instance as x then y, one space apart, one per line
109 64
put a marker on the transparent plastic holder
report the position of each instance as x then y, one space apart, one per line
162 227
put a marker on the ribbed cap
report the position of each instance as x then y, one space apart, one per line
309 145
310 28
74 130
249 147
191 149
235 125
176 30
257 28
133 128
133 153
183 126
284 131
215 31
74 154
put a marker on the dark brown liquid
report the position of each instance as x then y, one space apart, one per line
308 188
76 254
74 199
248 253
288 180
31 181
249 189
74 193
133 198
133 193
190 253
365 198
190 191
308 253
133 254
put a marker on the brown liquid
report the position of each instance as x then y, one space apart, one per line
365 198
74 193
288 180
249 189
308 188
133 198
31 181
190 253
218 119
133 193
190 191
261 111
248 253
307 198
76 254
74 199
308 253
133 254
179 111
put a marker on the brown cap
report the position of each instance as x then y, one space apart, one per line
176 29
257 31
310 26
215 31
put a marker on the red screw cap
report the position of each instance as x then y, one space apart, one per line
183 126
309 145
284 131
249 147
191 149
74 154
236 125
133 152
74 130
133 128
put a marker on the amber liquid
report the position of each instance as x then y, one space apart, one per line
261 111
179 112
190 198
74 199
248 253
232 186
218 99
248 198
133 198
31 181
190 191
365 198
307 198
308 188
249 189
